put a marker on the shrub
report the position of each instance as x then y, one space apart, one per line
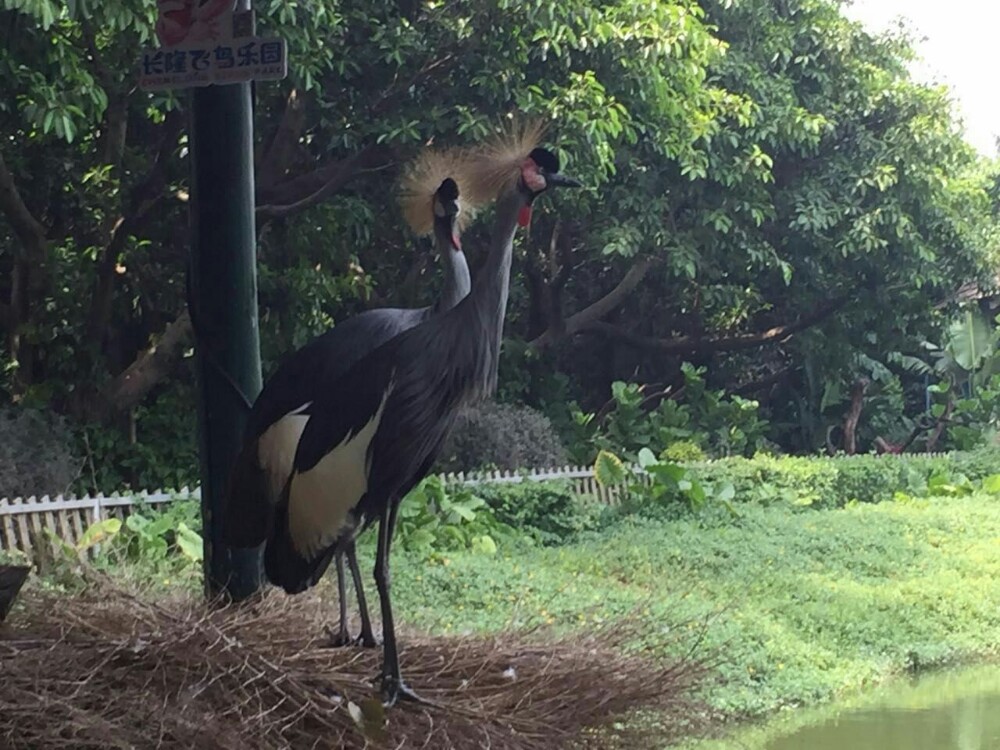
502 436
683 450
436 517
835 482
700 421
549 511
161 540
36 453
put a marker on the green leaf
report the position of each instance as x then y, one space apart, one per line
98 532
647 458
463 512
609 469
484 544
991 484
726 493
190 543
970 340
667 472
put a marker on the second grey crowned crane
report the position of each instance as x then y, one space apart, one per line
432 204
376 432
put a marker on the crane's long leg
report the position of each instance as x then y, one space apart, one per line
343 636
367 636
393 687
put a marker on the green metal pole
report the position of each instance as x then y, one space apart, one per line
223 299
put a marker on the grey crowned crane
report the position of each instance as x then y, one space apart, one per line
376 431
431 204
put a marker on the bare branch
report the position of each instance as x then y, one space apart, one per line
141 200
150 367
276 161
386 99
28 229
593 313
736 342
311 189
765 383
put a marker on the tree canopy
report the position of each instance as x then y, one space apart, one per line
770 194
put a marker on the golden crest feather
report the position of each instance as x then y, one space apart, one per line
495 165
481 172
421 180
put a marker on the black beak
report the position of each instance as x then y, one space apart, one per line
554 179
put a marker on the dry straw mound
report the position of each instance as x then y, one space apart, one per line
109 669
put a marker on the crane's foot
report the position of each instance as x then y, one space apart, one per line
340 638
394 690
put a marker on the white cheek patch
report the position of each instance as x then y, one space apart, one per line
321 499
276 449
438 209
532 176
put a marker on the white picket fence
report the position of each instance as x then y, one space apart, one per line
24 521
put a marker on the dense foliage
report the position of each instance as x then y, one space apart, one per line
35 454
771 197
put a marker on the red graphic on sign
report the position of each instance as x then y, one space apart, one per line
193 20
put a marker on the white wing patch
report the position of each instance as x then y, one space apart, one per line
276 449
320 500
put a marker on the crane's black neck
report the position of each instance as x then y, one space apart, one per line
457 281
488 298
491 284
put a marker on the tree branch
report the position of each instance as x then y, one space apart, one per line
26 227
386 99
142 198
591 315
689 344
765 383
314 187
276 161
128 389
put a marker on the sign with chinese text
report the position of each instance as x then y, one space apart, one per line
201 49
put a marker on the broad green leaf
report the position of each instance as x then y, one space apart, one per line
484 544
646 458
726 493
190 542
609 469
98 532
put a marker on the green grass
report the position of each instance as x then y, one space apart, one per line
804 604
796 605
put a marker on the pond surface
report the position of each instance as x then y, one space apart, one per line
949 711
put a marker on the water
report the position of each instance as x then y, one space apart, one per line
949 711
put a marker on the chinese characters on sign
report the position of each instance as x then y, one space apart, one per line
246 59
206 42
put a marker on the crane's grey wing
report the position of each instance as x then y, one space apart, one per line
330 472
306 372
280 414
421 410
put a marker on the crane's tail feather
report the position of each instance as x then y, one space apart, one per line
284 566
12 577
249 511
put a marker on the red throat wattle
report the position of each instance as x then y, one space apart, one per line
456 243
524 216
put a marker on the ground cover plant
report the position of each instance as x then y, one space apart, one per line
801 604
794 601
